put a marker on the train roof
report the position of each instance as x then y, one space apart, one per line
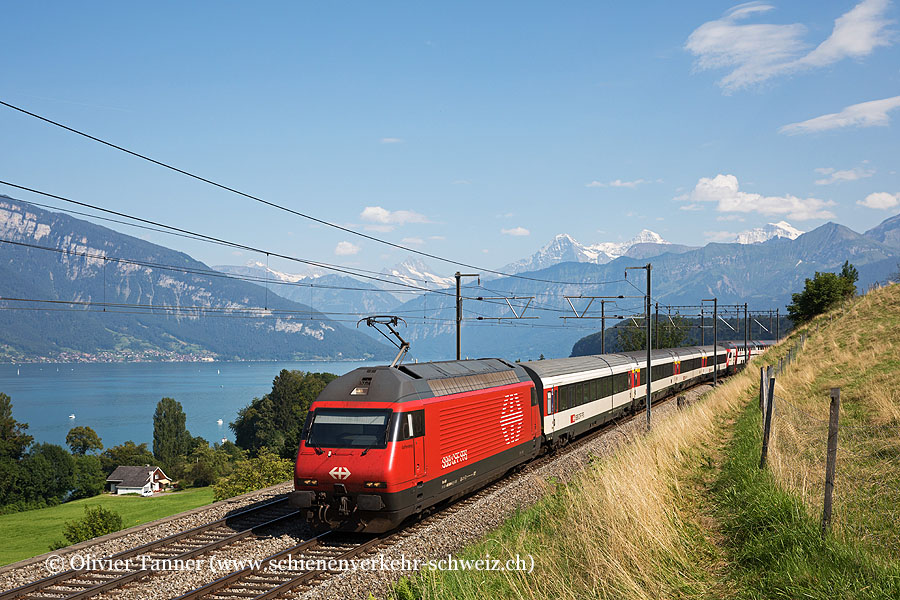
566 366
740 343
417 381
554 367
455 368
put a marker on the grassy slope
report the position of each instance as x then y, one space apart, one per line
31 532
685 512
858 353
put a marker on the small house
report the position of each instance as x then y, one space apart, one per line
137 480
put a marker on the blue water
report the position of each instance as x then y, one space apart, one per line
118 400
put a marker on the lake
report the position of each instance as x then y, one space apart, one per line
117 400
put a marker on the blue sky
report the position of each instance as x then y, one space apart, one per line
474 131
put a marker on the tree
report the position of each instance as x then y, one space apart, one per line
13 480
88 478
850 276
13 439
264 470
632 335
171 438
207 465
672 334
127 453
82 440
50 471
96 521
275 420
822 293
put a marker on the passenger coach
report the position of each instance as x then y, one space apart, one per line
581 393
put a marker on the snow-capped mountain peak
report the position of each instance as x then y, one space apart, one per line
564 248
414 271
771 230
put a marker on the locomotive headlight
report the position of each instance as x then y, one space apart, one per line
376 484
309 481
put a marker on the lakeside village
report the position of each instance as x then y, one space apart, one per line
121 356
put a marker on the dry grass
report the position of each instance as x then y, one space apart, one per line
623 529
858 352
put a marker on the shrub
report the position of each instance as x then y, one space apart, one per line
254 474
97 521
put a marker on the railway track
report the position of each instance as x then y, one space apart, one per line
75 584
297 569
305 565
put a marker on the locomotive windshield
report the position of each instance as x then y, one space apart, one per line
348 428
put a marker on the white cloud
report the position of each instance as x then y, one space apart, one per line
724 218
617 183
516 231
756 52
413 241
383 220
725 192
437 237
856 34
391 140
692 206
880 200
346 249
838 176
865 114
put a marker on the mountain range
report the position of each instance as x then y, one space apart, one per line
158 304
762 274
189 308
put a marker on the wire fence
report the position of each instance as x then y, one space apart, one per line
864 502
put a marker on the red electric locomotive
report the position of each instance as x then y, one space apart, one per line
383 443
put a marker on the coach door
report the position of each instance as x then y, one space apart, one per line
415 423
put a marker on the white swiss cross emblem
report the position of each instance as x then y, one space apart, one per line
339 473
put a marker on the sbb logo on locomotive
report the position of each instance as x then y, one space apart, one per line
339 473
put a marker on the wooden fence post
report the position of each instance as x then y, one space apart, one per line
762 390
767 428
831 460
